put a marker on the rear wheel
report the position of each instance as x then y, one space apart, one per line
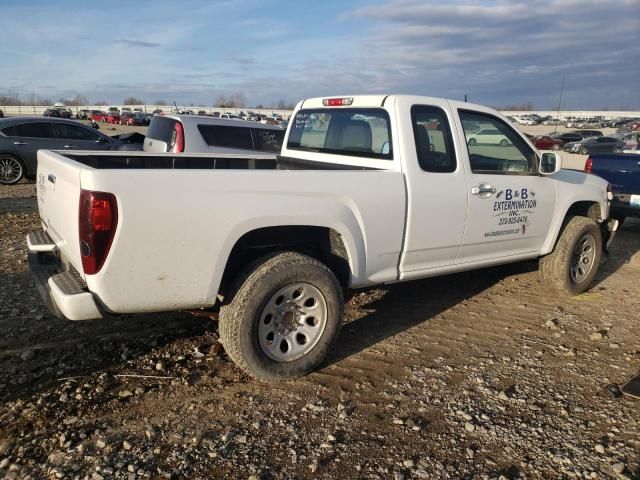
472 141
574 262
11 170
583 151
504 142
555 146
282 317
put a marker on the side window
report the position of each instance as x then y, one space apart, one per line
434 145
268 140
75 132
33 130
494 147
223 136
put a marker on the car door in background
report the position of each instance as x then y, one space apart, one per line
79 137
510 205
27 138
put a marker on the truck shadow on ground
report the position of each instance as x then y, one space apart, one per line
408 304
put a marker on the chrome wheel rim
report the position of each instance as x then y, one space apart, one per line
292 322
583 257
10 170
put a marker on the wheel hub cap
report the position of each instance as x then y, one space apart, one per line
292 322
583 258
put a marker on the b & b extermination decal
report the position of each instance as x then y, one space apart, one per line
512 207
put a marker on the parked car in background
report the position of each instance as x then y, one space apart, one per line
157 111
552 121
22 137
57 113
588 133
590 123
83 114
113 117
229 116
114 110
595 145
133 119
630 139
622 171
566 137
99 116
487 136
545 142
195 134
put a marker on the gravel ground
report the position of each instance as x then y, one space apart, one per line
484 374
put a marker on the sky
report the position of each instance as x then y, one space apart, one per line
498 53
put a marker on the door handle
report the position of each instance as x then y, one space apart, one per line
52 178
20 143
483 190
69 146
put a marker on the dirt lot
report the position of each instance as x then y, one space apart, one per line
484 375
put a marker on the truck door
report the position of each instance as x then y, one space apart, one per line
510 205
436 188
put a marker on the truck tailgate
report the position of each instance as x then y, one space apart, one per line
58 189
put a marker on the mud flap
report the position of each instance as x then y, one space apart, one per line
609 228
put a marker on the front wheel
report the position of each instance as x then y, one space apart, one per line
11 170
574 262
555 147
282 317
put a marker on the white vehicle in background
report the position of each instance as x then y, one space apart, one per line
488 136
367 190
200 134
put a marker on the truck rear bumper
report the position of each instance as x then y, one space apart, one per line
63 290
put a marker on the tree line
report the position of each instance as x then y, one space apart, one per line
235 100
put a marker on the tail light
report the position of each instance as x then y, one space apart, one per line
177 139
588 165
97 222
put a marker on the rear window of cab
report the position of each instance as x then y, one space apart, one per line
357 132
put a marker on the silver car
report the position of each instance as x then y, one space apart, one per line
199 134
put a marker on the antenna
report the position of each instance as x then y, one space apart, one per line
559 104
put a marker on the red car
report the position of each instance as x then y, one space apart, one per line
545 142
133 119
113 118
98 116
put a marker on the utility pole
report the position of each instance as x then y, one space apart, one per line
559 104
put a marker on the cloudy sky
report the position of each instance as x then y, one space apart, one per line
497 52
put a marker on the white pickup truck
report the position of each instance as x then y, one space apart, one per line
367 190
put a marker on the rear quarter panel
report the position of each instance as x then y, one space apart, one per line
177 227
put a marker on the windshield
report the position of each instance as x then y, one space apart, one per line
354 131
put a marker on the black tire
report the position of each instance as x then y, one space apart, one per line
12 169
583 151
240 315
556 268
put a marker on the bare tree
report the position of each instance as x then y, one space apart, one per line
221 101
101 103
237 100
160 102
133 101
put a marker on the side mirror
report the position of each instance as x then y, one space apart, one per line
550 163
